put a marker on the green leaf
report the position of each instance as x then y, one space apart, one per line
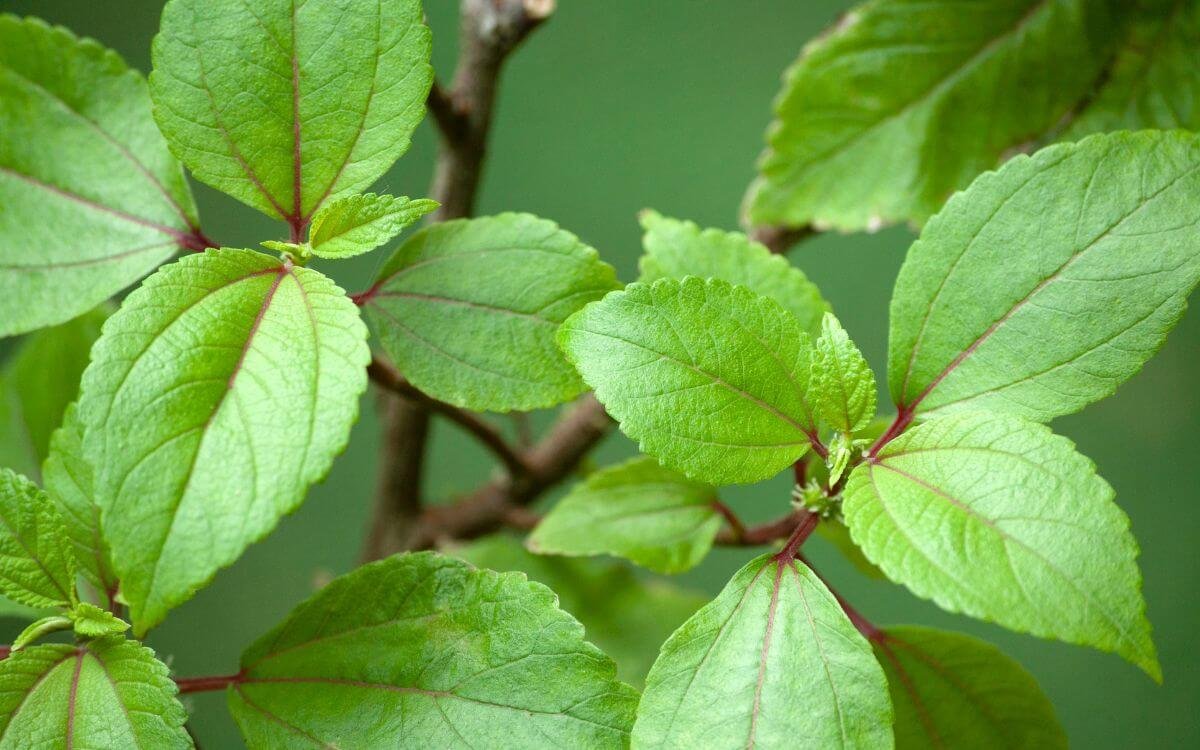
41 627
675 249
1155 80
33 395
843 383
36 565
624 615
358 224
951 690
285 105
1050 282
771 662
637 510
69 483
904 102
111 694
222 388
710 378
92 198
467 310
1000 519
436 653
91 621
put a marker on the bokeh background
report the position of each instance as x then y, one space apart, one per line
618 105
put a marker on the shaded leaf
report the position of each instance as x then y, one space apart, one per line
1000 519
637 510
904 102
219 392
467 310
435 652
951 690
92 198
675 249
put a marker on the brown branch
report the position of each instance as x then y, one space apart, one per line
490 30
550 461
781 239
385 376
757 536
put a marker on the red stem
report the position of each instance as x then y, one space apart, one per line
808 522
904 418
204 684
864 626
736 526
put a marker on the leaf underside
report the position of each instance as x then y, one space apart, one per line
219 392
904 102
1000 519
771 662
92 198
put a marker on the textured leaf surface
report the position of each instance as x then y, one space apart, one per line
93 622
1050 282
468 309
1155 81
637 510
712 379
675 249
36 565
112 694
36 384
1000 519
628 616
358 224
286 104
219 392
905 101
951 690
843 383
771 662
437 654
92 198
69 483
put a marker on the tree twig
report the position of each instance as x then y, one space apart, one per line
490 30
385 376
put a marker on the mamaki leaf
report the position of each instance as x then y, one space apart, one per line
36 564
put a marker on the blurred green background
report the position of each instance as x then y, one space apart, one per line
618 105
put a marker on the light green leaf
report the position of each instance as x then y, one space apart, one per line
69 483
111 694
285 105
1155 81
904 102
36 385
637 510
219 392
358 224
1050 282
843 383
92 198
626 616
1000 519
36 565
951 690
41 627
710 378
468 309
771 662
675 249
91 621
434 652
